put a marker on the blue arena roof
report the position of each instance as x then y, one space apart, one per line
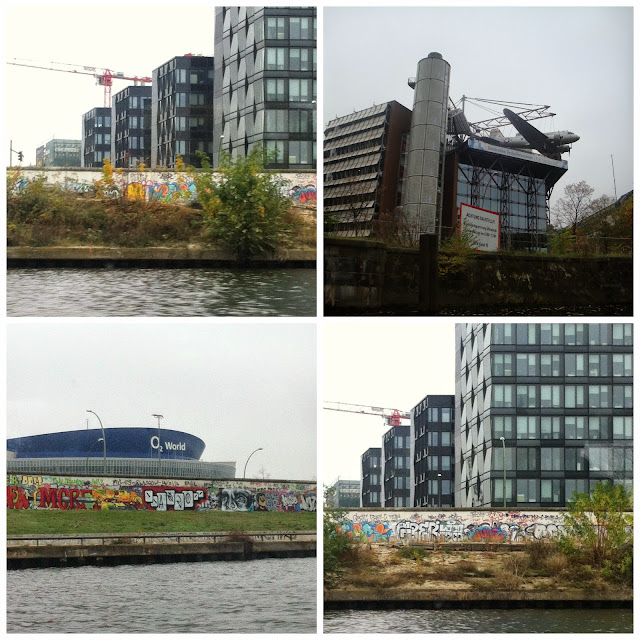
121 442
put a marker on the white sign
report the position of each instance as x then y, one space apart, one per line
516 153
482 226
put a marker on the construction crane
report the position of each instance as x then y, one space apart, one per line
392 416
104 77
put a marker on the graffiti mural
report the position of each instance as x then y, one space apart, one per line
51 492
455 526
163 186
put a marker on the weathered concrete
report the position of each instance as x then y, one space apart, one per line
456 599
160 257
365 275
51 551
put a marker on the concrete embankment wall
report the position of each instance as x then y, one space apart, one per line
366 275
163 186
25 552
452 525
52 492
147 257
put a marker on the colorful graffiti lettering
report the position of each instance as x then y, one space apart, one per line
173 498
304 194
367 531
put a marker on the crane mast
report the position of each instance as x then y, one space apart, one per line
392 416
104 77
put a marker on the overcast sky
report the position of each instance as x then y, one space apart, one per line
378 364
236 386
578 60
134 38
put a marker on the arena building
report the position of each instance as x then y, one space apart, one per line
115 451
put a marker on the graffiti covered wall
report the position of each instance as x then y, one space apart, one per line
452 526
163 186
50 492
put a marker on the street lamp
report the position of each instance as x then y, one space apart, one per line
104 441
439 491
244 473
159 417
89 453
504 475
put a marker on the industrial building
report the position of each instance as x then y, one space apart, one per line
443 162
60 152
363 168
182 111
265 84
131 127
432 452
140 452
541 411
371 473
96 137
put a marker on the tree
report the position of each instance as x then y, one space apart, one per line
575 206
601 521
245 204
263 474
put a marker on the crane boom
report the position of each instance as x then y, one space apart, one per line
104 77
392 416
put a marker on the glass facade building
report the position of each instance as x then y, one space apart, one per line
371 472
396 467
131 127
60 152
182 111
265 83
96 136
432 452
541 411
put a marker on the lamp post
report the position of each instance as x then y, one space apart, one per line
89 453
104 441
244 473
439 491
159 417
504 474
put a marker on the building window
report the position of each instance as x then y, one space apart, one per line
433 414
275 59
574 459
299 28
527 364
622 334
508 454
574 364
527 427
574 396
299 59
181 76
527 490
622 427
503 334
599 365
599 334
276 29
526 333
275 90
527 458
503 395
552 459
551 396
447 414
574 334
599 428
498 486
300 152
503 427
550 491
599 396
527 396
502 364
445 437
275 151
300 121
196 99
550 364
622 364
299 90
181 99
574 427
550 334
575 486
432 438
599 458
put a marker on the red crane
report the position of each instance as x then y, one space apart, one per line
392 416
103 77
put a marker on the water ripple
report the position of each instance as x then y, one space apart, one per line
161 292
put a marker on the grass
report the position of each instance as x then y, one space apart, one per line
44 522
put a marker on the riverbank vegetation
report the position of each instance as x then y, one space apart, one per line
595 553
50 521
246 212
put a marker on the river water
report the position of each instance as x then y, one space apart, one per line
161 292
258 596
480 621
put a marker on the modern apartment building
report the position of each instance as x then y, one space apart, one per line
432 452
396 467
131 127
96 136
371 473
182 110
346 494
541 411
363 171
265 83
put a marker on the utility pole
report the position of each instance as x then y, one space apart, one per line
615 191
159 417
